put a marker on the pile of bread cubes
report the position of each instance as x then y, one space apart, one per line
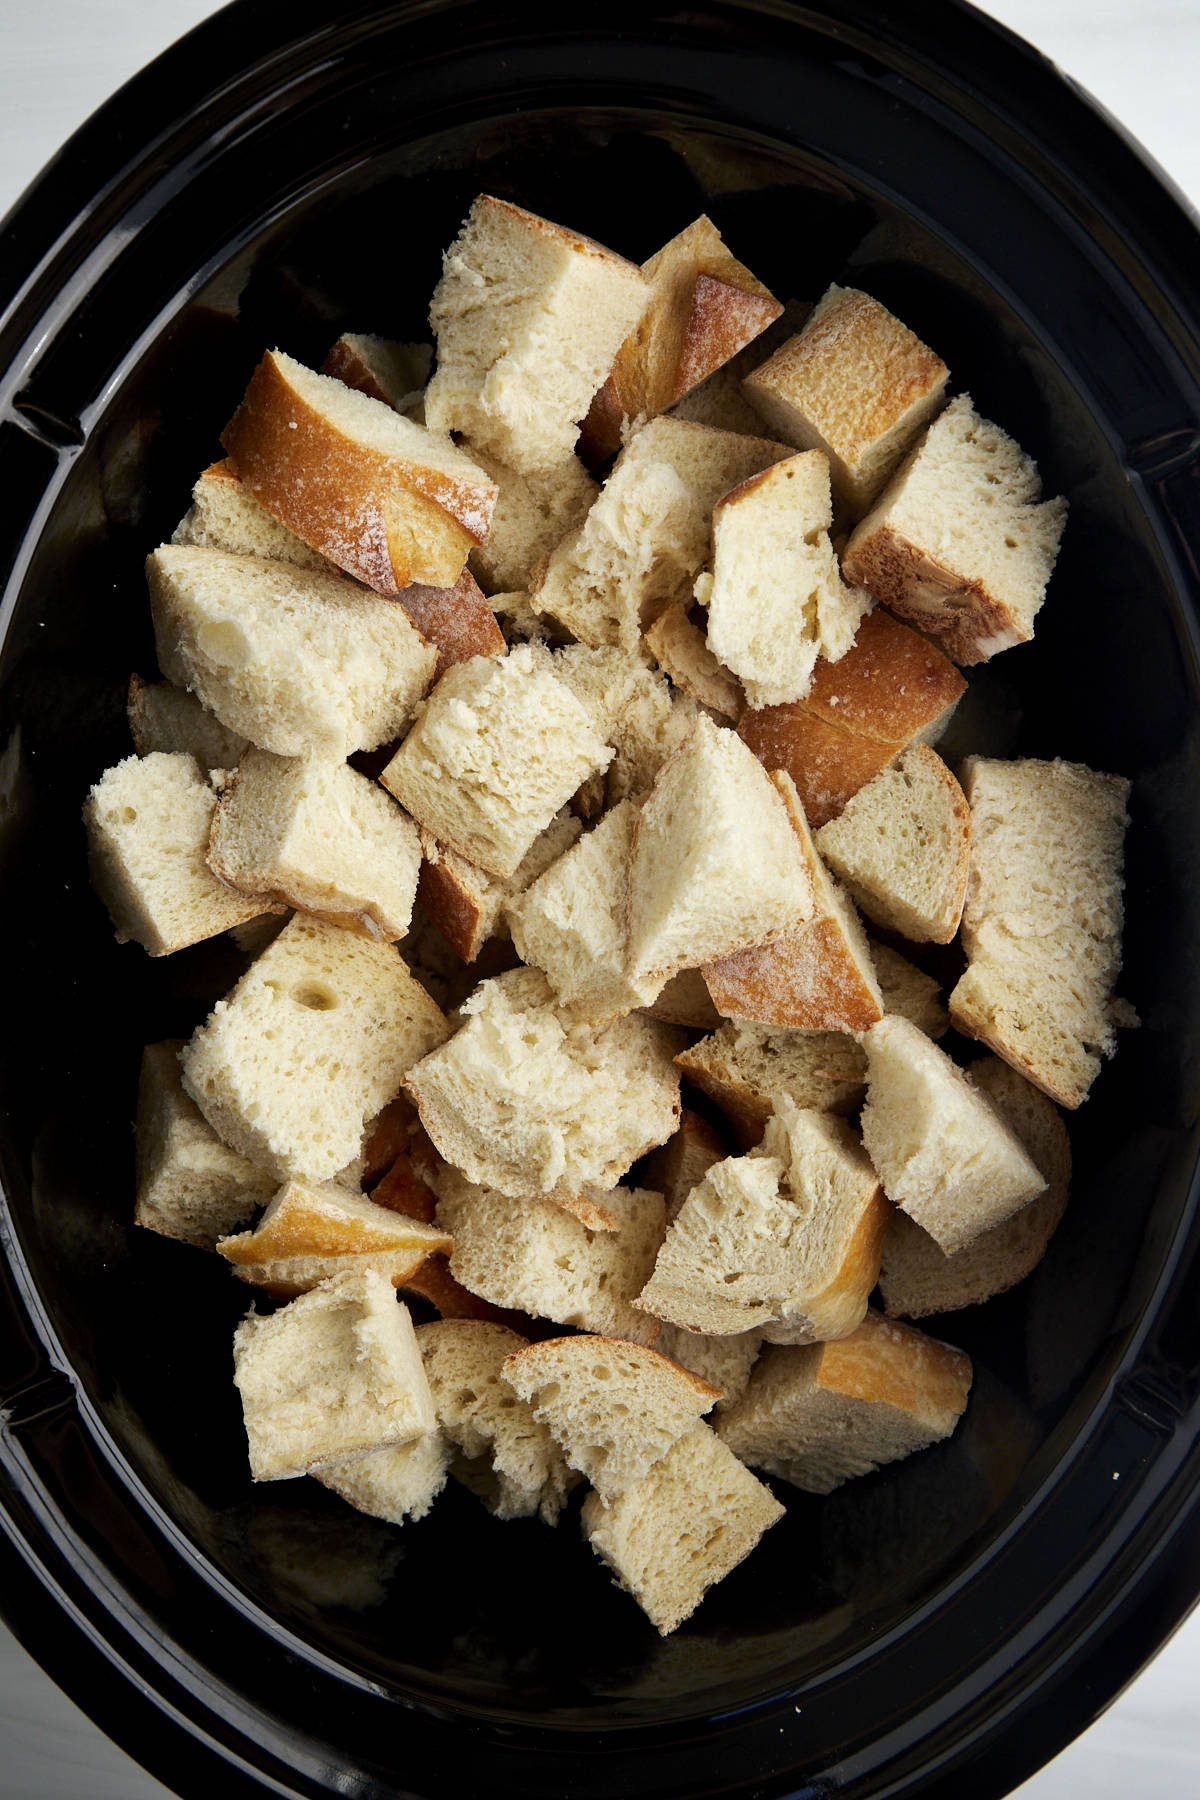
544 714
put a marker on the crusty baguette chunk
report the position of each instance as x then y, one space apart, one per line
647 537
397 1484
719 400
533 511
632 708
534 1257
901 845
891 687
311 1043
680 648
319 836
788 1235
943 1151
744 1068
1043 917
299 663
816 976
224 515
821 1414
855 383
960 543
776 599
190 1185
469 906
502 1452
527 1099
333 1375
704 307
499 747
148 820
570 923
312 1230
917 1278
528 316
716 865
382 368
384 498
684 1526
614 1406
165 717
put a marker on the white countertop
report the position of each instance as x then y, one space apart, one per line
60 59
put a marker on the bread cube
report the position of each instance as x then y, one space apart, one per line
960 543
469 906
147 822
744 1068
498 749
224 515
165 717
855 383
333 1375
533 511
528 316
311 1043
190 1185
396 1484
382 368
299 663
317 835
312 1230
632 708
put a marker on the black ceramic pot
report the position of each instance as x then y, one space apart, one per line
944 1626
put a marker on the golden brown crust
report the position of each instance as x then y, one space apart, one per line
828 765
970 623
453 906
723 319
859 1269
893 1365
401 1190
457 619
345 364
301 1226
891 684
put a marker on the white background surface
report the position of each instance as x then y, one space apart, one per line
58 60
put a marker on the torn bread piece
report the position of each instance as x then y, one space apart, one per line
917 1278
902 844
224 515
820 1414
382 368
466 904
1043 918
499 747
716 864
680 1164
310 1044
632 709
615 1407
724 1362
396 1484
533 1257
526 1099
456 620
960 542
502 1451
528 316
533 512
189 1185
168 718
776 599
744 1068
943 1151
148 820
704 307
312 1230
317 835
683 1527
680 649
854 383
299 663
816 976
333 1375
382 497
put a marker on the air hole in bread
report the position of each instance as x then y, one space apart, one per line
315 995
223 642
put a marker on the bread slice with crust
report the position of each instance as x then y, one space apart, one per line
680 648
681 1164
312 1230
383 498
744 1068
457 620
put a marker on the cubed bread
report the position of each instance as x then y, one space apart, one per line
683 1527
533 1256
1043 918
942 1150
469 906
724 1362
614 1406
909 991
314 1229
632 708
380 496
816 976
498 749
719 400
528 316
190 1185
855 383
891 687
527 1099
397 1484
776 599
680 648
960 543
789 1235
680 1164
382 368
165 717
299 663
716 865
456 620
147 822
704 307
502 1452
311 1043
901 845
745 1067
819 1414
333 1375
646 538
533 511
224 515
917 1278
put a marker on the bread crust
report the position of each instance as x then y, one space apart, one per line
827 765
457 619
970 623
